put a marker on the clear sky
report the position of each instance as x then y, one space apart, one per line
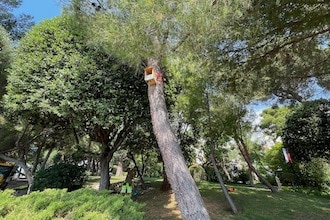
40 9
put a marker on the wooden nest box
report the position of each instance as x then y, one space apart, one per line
150 75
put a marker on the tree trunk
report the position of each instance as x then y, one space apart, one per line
22 164
43 165
224 168
184 187
251 179
36 159
245 153
94 170
137 169
222 185
105 158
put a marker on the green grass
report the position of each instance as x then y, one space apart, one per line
260 203
252 203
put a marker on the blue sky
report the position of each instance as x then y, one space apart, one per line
40 9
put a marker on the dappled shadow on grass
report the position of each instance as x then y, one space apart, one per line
260 203
159 204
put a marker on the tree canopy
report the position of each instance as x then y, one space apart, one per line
273 120
6 56
56 76
307 131
283 48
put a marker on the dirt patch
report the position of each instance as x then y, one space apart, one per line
161 205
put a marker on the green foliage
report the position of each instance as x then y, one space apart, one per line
274 158
59 204
282 46
275 161
8 135
273 120
60 176
197 172
6 56
147 29
241 176
315 173
57 77
307 131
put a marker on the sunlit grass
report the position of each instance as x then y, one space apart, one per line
260 203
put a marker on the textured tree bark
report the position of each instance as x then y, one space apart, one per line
184 187
104 169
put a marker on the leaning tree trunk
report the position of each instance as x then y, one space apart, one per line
36 159
184 187
224 168
26 169
137 169
223 187
44 162
245 153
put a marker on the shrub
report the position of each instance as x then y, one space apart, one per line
197 172
315 173
242 176
210 174
60 176
60 204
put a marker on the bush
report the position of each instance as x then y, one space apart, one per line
210 174
242 176
315 173
60 204
60 176
197 172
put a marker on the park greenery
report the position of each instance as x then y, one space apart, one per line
75 105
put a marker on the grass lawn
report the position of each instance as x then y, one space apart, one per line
252 203
94 181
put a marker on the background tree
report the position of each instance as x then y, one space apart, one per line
200 101
6 56
150 32
284 48
15 25
273 121
275 161
307 131
56 78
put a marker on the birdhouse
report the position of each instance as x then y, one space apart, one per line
150 75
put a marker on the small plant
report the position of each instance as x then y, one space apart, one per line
60 176
197 172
